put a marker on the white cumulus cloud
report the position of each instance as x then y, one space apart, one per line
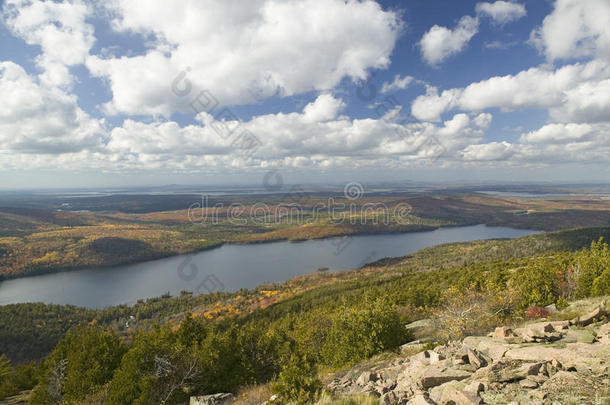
59 28
36 119
440 43
587 102
501 12
324 108
575 29
488 151
241 51
399 83
558 133
538 87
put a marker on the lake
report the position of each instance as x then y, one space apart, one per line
230 267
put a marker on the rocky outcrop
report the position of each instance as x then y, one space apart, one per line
21 399
540 332
214 399
503 333
603 336
593 316
539 363
366 378
440 374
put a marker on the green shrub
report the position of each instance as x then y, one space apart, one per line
83 361
19 378
141 368
5 367
561 304
593 270
297 381
358 333
537 283
601 284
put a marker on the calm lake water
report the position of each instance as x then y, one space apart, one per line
230 267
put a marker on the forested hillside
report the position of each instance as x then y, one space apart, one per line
286 333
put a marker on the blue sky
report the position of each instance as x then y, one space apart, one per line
464 91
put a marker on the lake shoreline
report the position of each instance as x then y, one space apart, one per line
232 267
159 256
419 228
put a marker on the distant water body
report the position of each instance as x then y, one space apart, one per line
546 195
230 267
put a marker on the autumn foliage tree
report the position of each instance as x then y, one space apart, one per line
471 311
